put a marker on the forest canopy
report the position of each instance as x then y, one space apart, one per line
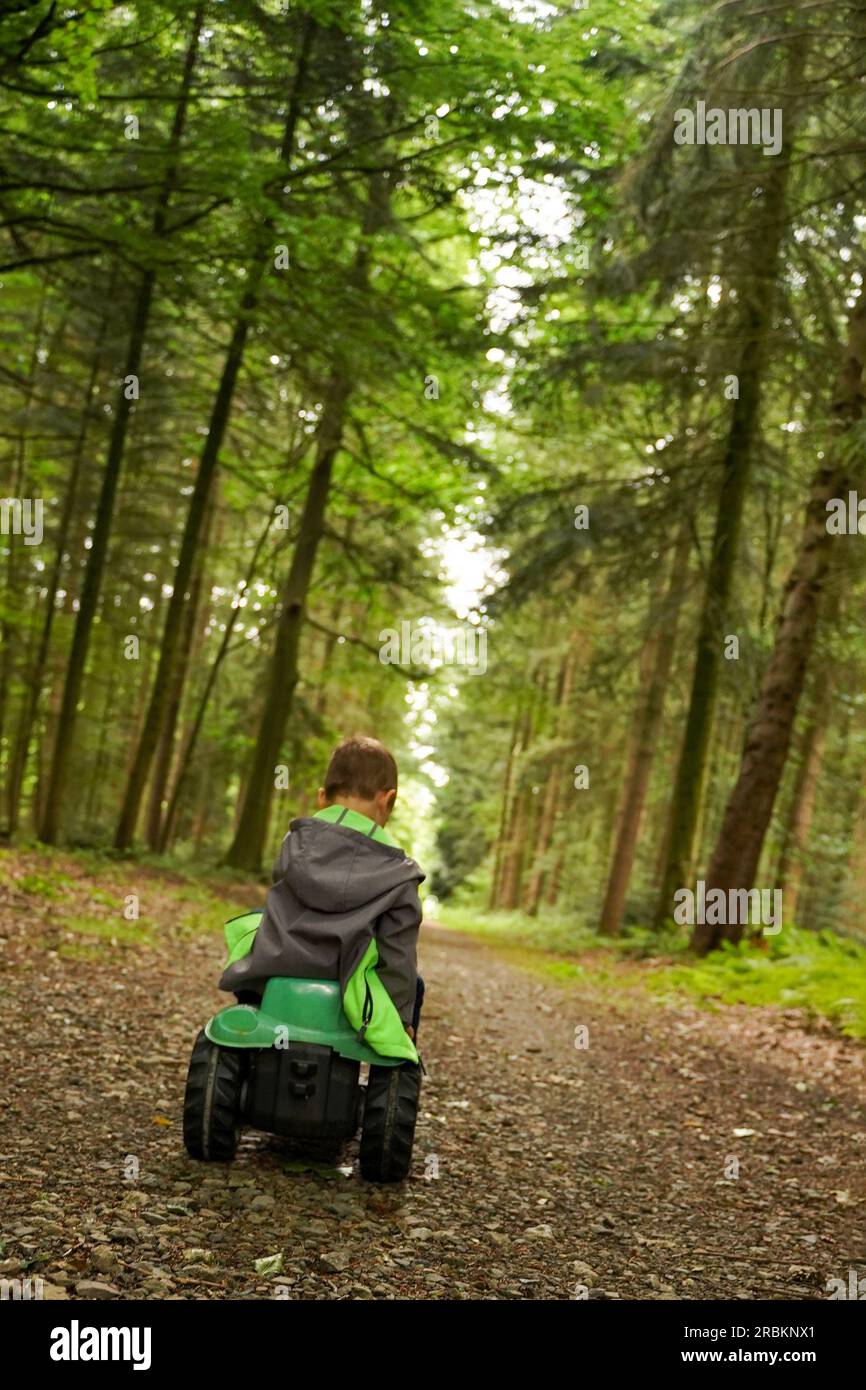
487 377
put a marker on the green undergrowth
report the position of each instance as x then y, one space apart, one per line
820 973
83 900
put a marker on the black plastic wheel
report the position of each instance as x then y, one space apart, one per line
390 1112
212 1104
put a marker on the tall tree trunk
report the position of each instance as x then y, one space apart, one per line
65 734
7 625
554 878
330 639
547 819
750 805
851 892
655 667
163 681
504 808
757 294
512 872
165 749
170 819
96 788
513 847
789 875
823 881
247 846
40 663
220 414
726 744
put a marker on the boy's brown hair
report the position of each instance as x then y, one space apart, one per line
360 767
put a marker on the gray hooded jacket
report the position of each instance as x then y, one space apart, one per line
335 888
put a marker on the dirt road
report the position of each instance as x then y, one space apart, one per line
679 1154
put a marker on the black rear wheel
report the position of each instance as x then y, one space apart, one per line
212 1104
390 1112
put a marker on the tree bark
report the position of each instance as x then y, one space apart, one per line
247 846
505 804
65 734
759 298
220 414
656 659
509 897
40 664
170 818
750 805
7 626
789 875
547 819
162 763
514 848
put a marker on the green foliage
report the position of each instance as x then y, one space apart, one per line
40 886
819 973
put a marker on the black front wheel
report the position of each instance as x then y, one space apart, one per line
212 1104
390 1112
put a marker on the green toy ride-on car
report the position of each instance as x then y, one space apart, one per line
291 1066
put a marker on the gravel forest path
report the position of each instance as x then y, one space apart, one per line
542 1169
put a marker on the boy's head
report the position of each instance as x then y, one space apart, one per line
362 775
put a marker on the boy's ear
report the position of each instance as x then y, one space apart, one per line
384 802
322 799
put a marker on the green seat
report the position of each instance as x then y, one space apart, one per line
294 1011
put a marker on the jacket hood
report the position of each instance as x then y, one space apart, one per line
332 868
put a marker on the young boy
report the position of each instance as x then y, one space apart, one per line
344 904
